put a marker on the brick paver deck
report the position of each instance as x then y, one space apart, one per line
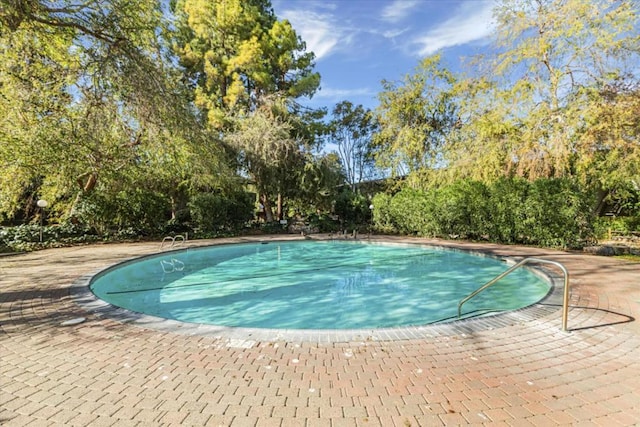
107 371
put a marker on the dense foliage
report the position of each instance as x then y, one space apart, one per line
353 211
130 115
547 212
27 237
147 118
559 98
211 213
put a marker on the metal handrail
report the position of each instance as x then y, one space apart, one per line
565 300
175 241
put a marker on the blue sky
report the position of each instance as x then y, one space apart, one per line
358 43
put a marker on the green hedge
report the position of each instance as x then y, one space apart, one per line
352 209
137 212
27 237
546 212
214 212
133 215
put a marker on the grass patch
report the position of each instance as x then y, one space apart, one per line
629 257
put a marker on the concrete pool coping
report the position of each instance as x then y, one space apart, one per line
550 304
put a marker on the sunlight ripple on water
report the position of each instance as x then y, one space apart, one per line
315 285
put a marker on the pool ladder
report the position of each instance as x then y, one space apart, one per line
565 299
175 240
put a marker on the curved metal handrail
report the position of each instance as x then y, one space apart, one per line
565 300
175 241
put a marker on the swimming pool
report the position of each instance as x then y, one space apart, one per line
314 285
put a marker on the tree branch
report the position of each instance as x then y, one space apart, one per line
83 29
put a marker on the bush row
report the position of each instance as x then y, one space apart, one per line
147 212
545 212
27 237
132 215
211 212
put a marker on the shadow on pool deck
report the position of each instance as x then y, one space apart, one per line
623 319
106 372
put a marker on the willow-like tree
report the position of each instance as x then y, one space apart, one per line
86 93
319 182
484 144
558 61
608 149
268 153
416 117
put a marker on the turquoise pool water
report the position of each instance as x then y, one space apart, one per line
314 285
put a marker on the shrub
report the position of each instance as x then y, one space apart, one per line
383 219
462 209
213 212
27 237
506 210
141 211
352 209
619 225
323 223
547 212
414 212
556 213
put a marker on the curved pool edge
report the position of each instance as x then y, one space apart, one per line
550 304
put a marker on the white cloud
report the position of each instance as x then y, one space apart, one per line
392 34
333 93
473 21
398 10
316 29
323 5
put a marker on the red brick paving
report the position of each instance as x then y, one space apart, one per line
105 372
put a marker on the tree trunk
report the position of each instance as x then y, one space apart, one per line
174 207
600 205
280 207
268 212
86 186
91 182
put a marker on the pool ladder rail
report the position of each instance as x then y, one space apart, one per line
565 299
178 240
